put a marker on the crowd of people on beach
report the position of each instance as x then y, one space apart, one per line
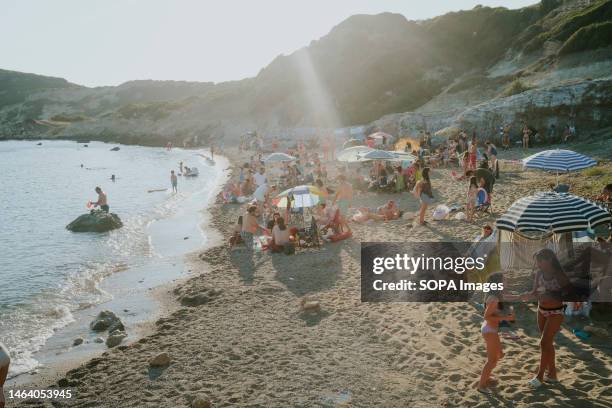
476 164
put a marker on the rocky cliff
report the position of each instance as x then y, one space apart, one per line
475 69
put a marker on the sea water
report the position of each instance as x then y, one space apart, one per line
48 275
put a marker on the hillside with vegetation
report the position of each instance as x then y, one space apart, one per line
541 63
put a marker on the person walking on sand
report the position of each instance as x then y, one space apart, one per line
473 153
174 181
494 307
424 193
492 152
344 196
5 361
550 287
472 197
102 200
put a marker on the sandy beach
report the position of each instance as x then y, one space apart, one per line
240 337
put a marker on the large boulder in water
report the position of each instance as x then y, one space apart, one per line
105 320
95 221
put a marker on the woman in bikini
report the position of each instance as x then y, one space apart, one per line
493 314
549 287
423 192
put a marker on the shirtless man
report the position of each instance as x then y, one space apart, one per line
102 200
344 195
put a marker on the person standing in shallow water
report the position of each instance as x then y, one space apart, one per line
102 200
174 181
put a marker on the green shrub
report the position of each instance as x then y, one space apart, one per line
594 36
594 171
515 87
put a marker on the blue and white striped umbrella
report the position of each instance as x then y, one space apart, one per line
558 160
553 212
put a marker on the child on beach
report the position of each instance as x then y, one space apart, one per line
489 329
472 194
236 239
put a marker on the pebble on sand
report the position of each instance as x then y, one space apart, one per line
77 342
201 402
160 360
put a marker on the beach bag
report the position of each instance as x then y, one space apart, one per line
460 216
441 211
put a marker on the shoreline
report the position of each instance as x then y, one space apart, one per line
157 301
247 342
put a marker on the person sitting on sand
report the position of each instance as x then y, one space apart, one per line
102 200
324 214
280 236
550 286
494 307
250 226
236 239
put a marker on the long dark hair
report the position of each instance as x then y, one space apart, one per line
546 254
497 278
425 175
281 223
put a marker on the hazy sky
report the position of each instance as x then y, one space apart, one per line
107 42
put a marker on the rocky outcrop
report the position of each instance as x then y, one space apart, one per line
95 221
587 104
115 338
106 320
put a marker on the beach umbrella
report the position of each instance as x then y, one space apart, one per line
301 196
279 158
377 155
352 143
404 156
351 154
553 212
558 160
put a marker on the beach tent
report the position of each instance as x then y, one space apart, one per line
278 158
558 160
351 154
